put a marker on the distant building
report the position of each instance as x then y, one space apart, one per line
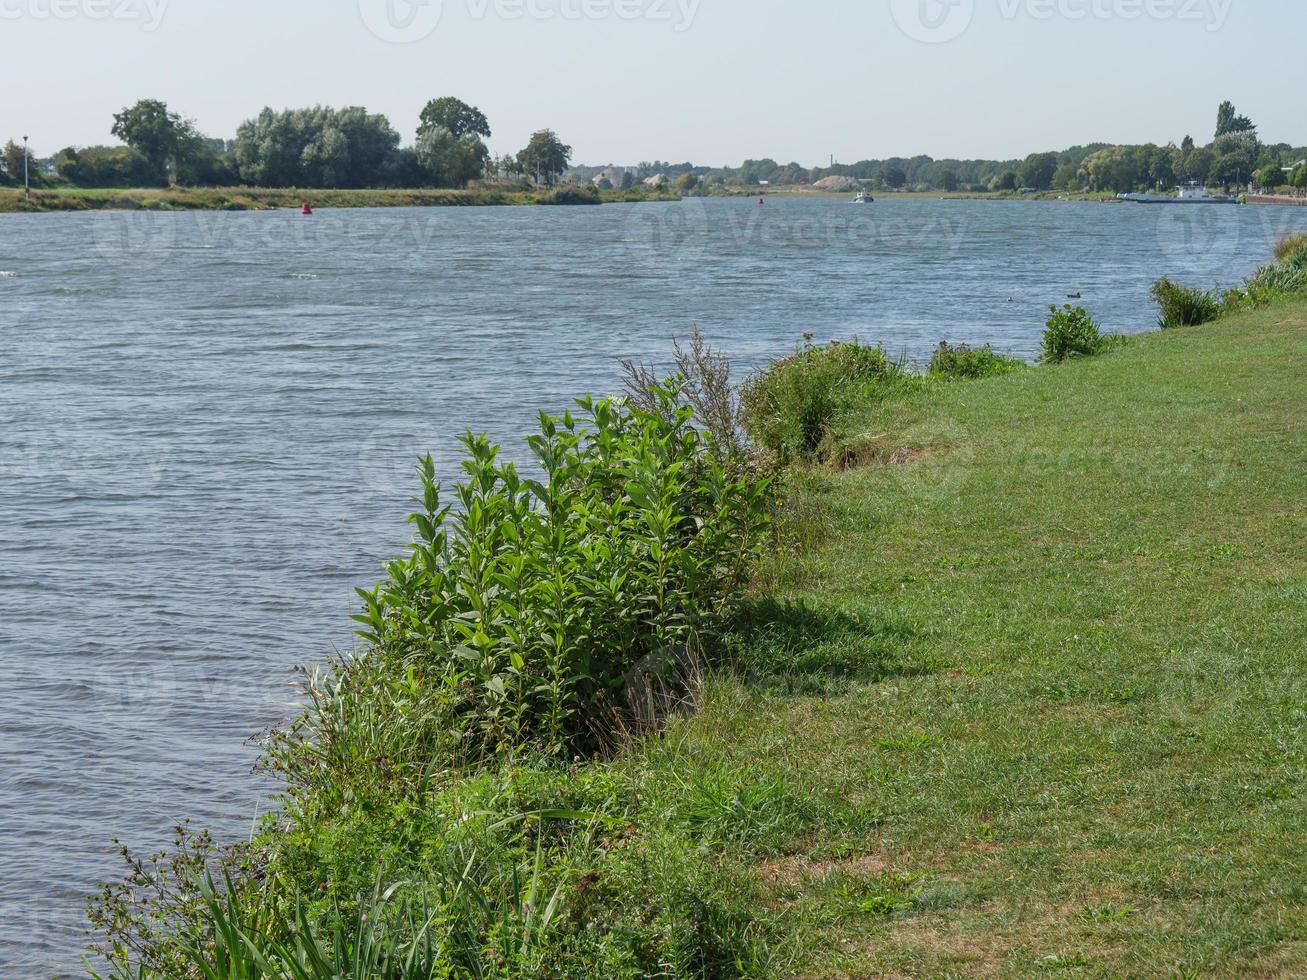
613 175
657 180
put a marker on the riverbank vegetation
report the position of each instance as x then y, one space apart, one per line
998 674
351 149
324 147
1234 157
481 194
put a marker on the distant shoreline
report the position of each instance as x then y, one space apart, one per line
67 199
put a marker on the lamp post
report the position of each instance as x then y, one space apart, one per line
27 184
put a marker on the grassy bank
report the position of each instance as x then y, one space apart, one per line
258 199
1018 690
1056 720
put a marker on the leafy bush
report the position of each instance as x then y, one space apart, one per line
962 361
1184 306
1071 332
521 616
567 194
793 407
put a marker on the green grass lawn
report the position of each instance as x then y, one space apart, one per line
1042 704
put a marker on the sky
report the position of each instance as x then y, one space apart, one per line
709 81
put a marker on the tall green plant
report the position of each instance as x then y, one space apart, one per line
526 607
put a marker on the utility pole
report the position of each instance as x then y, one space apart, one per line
27 184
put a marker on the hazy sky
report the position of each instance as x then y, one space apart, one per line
713 81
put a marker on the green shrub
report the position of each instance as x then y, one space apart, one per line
794 407
1184 306
962 361
567 194
521 615
1071 332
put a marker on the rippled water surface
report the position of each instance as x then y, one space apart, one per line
209 422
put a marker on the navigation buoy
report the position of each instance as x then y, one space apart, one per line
759 202
305 209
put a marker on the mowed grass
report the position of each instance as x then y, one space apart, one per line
1035 700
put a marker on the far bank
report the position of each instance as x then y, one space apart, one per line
262 198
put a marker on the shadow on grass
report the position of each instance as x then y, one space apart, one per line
800 647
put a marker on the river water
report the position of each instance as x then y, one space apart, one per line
209 423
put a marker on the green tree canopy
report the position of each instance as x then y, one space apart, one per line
157 134
1037 171
454 115
11 161
545 157
448 160
318 147
1229 121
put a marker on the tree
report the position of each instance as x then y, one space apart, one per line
1229 121
628 180
1161 166
894 177
1198 165
1236 157
1116 168
11 161
949 181
102 166
545 157
1270 171
1038 171
1067 177
1006 181
686 183
1187 145
318 147
153 132
1299 178
456 116
448 160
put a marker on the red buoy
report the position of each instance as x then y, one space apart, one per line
305 209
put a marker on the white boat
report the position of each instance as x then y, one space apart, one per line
864 198
1191 193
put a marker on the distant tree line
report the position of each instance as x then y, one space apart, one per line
352 148
316 147
1234 157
